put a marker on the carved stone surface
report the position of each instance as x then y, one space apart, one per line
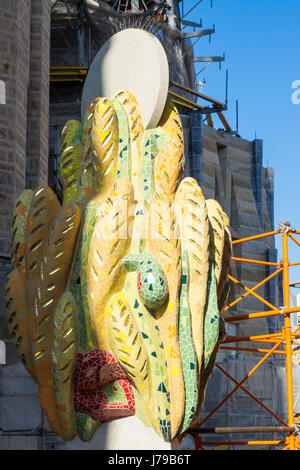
144 71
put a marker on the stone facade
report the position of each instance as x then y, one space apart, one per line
24 69
38 96
14 72
24 121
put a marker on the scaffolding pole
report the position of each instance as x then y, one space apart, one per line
281 343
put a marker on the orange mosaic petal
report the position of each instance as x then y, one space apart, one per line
18 316
56 268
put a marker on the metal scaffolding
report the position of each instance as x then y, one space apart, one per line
280 343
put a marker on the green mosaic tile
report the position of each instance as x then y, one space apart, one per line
152 143
211 321
90 217
123 170
187 349
156 354
152 282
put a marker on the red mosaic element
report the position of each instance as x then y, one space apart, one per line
93 370
96 368
139 284
96 404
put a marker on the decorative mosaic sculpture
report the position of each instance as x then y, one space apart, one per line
114 297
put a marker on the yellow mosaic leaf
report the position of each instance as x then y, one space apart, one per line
43 209
20 213
63 358
222 291
127 345
191 211
18 318
87 181
169 163
55 273
110 242
164 243
105 143
69 165
136 129
217 235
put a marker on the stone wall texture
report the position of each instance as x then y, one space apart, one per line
14 72
24 69
38 95
24 124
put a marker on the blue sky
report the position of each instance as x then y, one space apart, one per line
260 39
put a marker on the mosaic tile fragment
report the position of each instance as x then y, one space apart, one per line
187 349
56 268
18 229
163 243
122 297
63 358
69 165
217 235
18 317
